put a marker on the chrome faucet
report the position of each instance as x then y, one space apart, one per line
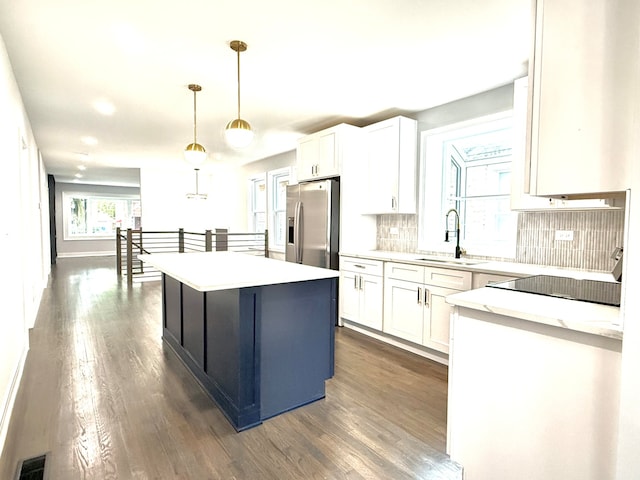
457 230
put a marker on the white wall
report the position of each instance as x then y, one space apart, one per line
84 248
24 240
629 110
165 206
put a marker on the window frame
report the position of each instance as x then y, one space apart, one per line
254 181
273 177
432 191
94 196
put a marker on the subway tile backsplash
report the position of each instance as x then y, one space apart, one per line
595 234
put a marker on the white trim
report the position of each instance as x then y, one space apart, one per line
86 254
10 400
425 352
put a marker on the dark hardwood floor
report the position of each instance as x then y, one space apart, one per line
106 400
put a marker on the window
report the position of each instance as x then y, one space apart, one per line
467 166
258 204
88 216
278 181
268 205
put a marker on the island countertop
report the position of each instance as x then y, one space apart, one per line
210 271
603 320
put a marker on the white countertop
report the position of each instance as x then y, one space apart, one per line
479 266
209 271
571 314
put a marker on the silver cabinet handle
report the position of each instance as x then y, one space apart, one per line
426 297
419 295
355 282
360 281
393 203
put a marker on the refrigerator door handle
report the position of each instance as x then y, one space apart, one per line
298 231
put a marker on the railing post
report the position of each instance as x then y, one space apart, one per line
207 240
266 243
141 249
222 239
118 252
129 257
181 240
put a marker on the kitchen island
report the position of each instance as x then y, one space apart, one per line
257 333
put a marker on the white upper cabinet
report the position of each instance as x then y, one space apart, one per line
520 179
319 155
391 157
579 134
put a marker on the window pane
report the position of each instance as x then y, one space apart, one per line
260 222
488 220
279 229
260 196
490 179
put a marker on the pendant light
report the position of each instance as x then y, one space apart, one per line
238 132
197 195
195 153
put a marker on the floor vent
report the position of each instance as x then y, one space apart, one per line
32 468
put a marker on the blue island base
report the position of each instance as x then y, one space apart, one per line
258 351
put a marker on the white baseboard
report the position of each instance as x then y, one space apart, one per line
85 254
434 355
7 408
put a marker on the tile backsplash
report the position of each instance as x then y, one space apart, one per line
595 235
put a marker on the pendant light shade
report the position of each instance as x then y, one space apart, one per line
238 132
195 153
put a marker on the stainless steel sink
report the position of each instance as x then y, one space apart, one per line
451 261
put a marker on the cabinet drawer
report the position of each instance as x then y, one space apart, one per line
404 271
482 279
444 277
361 265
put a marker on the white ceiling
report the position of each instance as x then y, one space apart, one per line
309 65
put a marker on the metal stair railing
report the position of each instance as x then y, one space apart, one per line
132 242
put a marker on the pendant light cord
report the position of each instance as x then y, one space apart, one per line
194 116
238 52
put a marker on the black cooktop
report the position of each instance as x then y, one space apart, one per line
594 291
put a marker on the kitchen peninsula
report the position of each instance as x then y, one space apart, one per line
543 374
257 333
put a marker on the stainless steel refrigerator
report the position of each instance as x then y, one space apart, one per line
313 223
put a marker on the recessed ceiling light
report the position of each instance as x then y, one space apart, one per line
89 140
82 167
78 175
105 107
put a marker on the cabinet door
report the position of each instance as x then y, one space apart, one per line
437 318
307 157
382 153
327 164
391 149
371 301
349 296
403 309
578 109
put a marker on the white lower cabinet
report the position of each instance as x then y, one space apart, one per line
361 291
403 310
414 302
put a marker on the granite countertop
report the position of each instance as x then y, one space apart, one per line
574 315
209 271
